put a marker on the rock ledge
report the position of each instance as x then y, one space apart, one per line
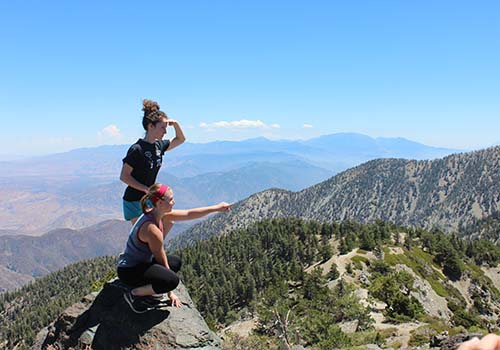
104 321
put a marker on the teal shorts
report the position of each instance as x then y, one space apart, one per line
131 210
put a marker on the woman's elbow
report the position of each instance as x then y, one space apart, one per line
123 178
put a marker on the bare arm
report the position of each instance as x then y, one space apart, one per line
179 135
151 234
488 342
126 176
195 213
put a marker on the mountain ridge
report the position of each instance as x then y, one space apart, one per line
449 194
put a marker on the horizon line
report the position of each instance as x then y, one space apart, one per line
5 157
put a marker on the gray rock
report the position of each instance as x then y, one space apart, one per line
364 279
372 347
105 322
349 327
452 343
433 304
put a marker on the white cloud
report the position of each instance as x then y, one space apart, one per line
240 124
110 131
307 126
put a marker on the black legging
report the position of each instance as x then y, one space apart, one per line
162 279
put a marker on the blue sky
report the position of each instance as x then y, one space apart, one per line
73 74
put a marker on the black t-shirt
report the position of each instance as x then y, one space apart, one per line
145 158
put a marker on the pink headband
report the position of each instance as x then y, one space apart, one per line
159 194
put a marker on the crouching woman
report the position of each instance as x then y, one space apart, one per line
144 264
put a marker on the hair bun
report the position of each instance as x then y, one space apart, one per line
150 106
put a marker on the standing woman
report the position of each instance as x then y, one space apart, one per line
144 158
144 264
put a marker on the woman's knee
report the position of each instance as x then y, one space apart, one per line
166 285
174 262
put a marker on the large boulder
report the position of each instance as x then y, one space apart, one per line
104 321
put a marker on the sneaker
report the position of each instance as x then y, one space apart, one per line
136 303
161 298
157 301
151 301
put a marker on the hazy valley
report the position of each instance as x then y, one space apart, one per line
81 187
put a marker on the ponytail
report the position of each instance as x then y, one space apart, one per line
149 200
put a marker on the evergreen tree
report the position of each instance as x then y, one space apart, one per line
333 274
325 252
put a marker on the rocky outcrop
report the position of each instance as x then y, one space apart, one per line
433 304
446 342
104 321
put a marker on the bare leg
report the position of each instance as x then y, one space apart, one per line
143 291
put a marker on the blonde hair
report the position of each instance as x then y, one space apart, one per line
149 200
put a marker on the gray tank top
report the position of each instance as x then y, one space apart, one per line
136 251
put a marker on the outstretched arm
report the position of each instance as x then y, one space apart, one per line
179 135
488 342
195 213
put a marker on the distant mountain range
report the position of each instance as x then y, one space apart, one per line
81 187
451 194
454 193
28 257
334 152
23 258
